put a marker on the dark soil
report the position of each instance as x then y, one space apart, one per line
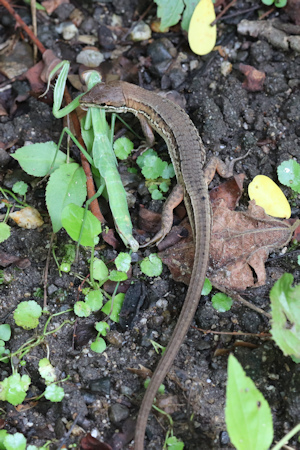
101 393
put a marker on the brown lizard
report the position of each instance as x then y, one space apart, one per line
188 156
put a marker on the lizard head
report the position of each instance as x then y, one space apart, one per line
104 95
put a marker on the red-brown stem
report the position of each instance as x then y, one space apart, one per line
23 25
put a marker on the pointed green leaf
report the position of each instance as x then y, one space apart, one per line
248 415
36 159
66 185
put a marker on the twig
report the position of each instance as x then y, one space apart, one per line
34 26
34 39
234 333
267 13
223 12
47 270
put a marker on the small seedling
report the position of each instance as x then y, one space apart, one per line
221 302
152 266
277 3
157 173
289 174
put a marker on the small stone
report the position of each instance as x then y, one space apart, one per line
90 57
115 338
69 31
141 32
118 413
226 68
101 385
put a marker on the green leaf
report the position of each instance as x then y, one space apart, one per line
15 441
94 300
100 271
280 3
164 187
13 389
169 14
66 185
154 168
5 332
20 188
289 174
117 276
168 172
36 159
174 444
72 218
207 287
221 302
123 262
117 305
27 314
267 2
46 370
152 266
123 147
4 231
142 159
81 309
190 6
54 393
156 195
3 434
102 327
286 315
247 413
99 345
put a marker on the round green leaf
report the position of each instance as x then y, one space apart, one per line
289 174
221 302
94 300
151 266
54 393
123 147
81 309
99 345
100 271
117 276
27 314
15 441
4 231
5 332
123 261
102 327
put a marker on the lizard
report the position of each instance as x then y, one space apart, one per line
188 156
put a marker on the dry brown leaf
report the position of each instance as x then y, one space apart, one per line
142 372
240 244
51 5
242 241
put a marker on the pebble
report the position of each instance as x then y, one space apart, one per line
90 57
141 32
101 385
118 413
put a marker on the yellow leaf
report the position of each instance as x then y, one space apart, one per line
269 196
202 37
